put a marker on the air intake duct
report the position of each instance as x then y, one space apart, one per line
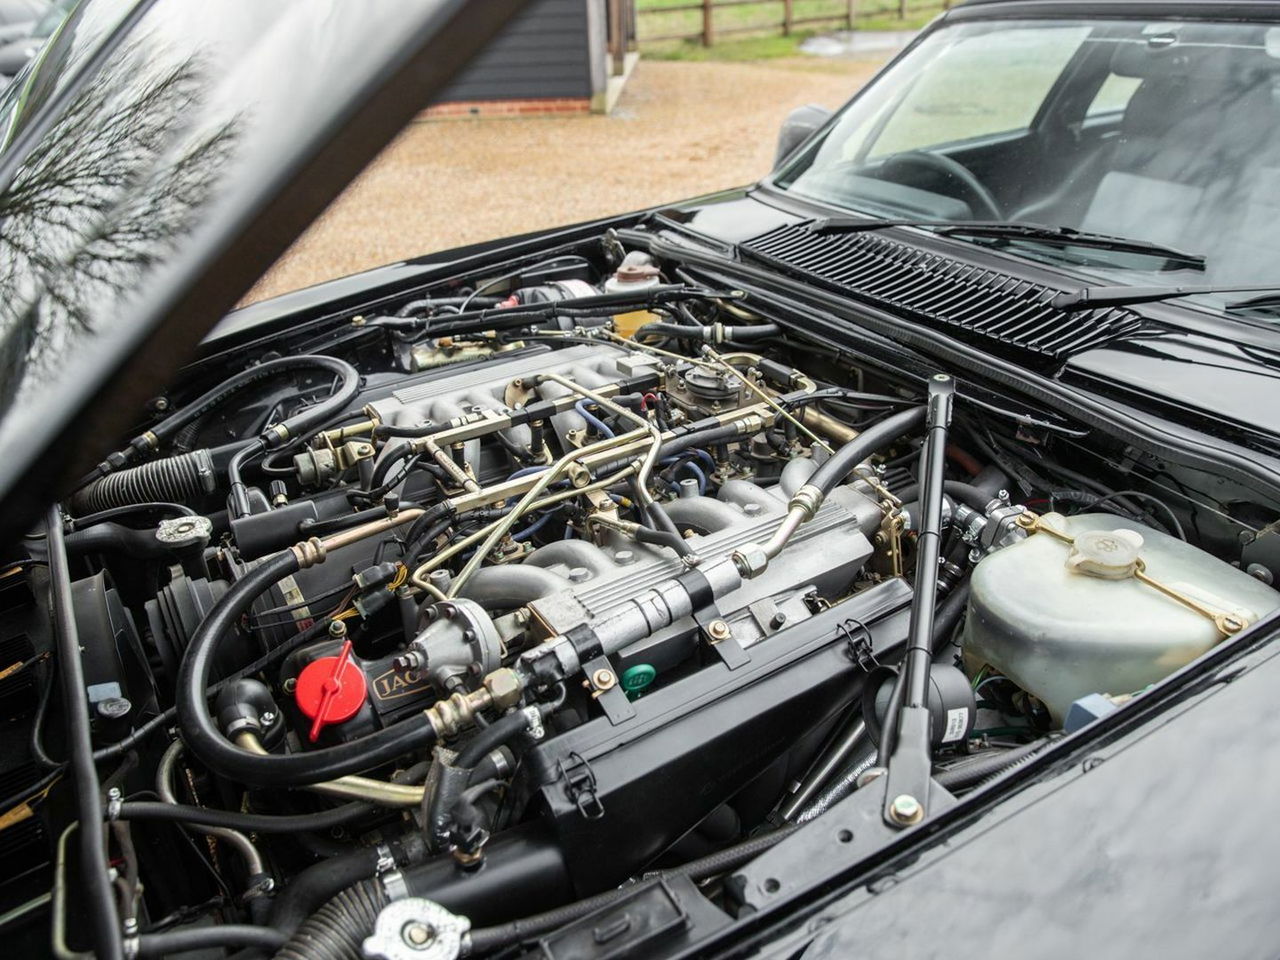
179 479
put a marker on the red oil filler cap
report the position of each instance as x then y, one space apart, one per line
330 690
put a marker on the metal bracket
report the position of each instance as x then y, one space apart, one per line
720 637
580 785
1226 623
602 681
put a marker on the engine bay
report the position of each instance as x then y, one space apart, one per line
510 590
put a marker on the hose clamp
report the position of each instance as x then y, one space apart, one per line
386 860
533 718
115 801
394 885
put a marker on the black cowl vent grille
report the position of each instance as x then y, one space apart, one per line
940 291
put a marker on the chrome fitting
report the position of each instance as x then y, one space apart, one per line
808 498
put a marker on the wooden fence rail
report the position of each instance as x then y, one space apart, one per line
852 12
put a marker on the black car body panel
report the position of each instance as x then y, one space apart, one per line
1147 831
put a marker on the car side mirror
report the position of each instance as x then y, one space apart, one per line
797 128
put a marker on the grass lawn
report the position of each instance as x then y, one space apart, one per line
751 31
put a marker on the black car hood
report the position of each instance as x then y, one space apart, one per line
158 158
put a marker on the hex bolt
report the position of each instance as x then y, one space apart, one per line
718 630
289 685
905 809
337 630
603 679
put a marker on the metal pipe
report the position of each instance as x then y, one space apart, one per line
827 764
541 482
234 838
651 456
790 524
58 912
764 395
349 787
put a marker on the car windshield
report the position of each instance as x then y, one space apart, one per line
1163 132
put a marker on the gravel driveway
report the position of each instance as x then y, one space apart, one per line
680 129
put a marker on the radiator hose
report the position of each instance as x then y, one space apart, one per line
337 930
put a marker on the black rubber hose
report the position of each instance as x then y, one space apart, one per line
235 820
455 777
970 774
239 506
715 333
871 440
320 882
337 930
948 615
117 538
203 404
185 477
299 422
96 889
382 469
385 431
217 937
115 513
663 538
701 438
206 741
965 493
486 939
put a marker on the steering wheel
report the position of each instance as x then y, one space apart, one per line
983 205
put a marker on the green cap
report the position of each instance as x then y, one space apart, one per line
635 678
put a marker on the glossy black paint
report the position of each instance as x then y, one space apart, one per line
1156 845
1153 847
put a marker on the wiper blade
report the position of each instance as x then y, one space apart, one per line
1016 229
1089 298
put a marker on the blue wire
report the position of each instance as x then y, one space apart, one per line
697 473
706 458
592 420
525 471
534 527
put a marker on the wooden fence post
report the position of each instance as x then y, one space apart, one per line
787 14
852 12
708 30
902 9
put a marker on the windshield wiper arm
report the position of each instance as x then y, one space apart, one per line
1087 298
1016 229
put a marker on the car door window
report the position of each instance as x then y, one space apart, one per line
1113 96
981 86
